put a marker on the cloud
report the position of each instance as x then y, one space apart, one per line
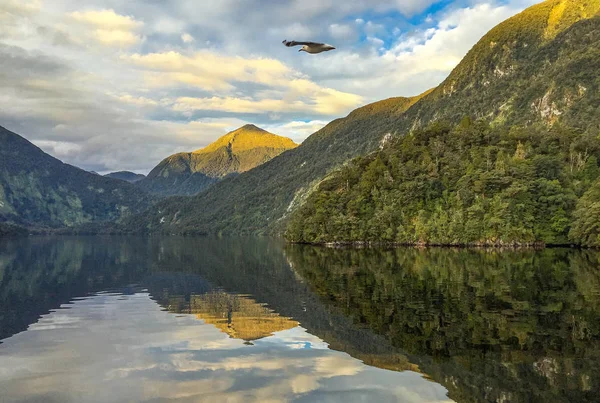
187 38
107 19
416 60
297 96
209 70
412 7
213 72
169 25
322 101
297 130
15 17
110 28
343 31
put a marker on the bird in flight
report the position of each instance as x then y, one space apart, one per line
309 47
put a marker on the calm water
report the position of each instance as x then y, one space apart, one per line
238 320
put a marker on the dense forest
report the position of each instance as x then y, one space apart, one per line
471 184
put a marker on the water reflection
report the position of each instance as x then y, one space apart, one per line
238 316
180 325
185 319
517 326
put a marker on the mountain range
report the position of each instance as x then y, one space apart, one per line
539 67
39 192
236 152
526 93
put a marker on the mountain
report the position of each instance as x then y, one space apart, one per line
537 68
126 176
237 151
39 190
251 201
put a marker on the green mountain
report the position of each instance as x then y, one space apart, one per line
126 176
39 190
237 151
537 68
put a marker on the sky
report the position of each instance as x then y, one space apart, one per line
110 85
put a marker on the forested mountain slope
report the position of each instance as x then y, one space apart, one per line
38 190
467 185
126 176
537 68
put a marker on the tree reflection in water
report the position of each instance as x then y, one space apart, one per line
495 325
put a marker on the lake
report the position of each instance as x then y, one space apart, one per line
128 319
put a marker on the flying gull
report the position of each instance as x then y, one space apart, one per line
309 47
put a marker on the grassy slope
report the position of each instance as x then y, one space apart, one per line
526 69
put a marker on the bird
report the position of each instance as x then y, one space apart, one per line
309 47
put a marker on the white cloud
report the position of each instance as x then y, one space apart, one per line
209 70
297 130
107 19
15 16
187 38
342 31
64 149
417 61
110 28
169 25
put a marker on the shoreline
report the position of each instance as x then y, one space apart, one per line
394 245
331 244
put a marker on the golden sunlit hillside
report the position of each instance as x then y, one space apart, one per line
236 152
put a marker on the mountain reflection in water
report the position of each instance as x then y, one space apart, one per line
195 319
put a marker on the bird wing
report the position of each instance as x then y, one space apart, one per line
295 43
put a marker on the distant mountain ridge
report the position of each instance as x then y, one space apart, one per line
538 67
235 152
38 190
126 176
